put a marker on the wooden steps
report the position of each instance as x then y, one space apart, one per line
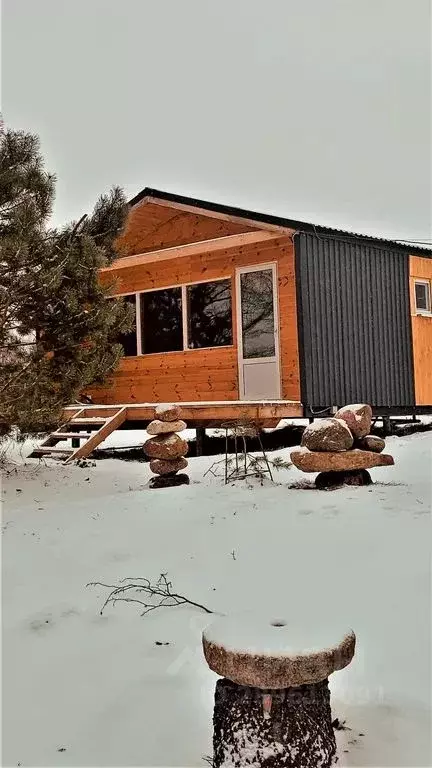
98 429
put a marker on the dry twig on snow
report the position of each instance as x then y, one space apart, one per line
159 595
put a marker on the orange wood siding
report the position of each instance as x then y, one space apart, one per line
204 374
421 268
151 226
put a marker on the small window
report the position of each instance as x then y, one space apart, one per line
161 321
209 314
129 340
423 296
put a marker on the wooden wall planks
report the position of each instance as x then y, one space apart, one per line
151 226
421 268
204 374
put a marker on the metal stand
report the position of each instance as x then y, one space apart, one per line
245 465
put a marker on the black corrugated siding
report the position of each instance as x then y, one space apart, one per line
354 323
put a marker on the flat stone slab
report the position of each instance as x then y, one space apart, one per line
275 653
319 461
158 427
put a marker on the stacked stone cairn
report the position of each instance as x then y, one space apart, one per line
165 448
341 448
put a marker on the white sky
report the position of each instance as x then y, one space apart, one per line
312 109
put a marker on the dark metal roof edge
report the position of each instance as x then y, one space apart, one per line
300 226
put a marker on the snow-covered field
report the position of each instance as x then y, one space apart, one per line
80 689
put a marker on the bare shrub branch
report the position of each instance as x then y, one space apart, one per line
157 595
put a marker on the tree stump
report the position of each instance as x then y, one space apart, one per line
332 480
286 727
272 707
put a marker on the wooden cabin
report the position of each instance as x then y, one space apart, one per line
232 305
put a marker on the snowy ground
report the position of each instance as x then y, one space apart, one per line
84 690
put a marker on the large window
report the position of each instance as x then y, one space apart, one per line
423 296
161 321
185 317
209 314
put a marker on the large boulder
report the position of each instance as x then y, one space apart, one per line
158 427
338 461
165 447
167 412
167 466
327 435
358 418
371 443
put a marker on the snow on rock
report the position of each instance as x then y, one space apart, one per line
167 412
327 435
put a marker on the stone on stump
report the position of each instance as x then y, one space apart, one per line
327 435
358 418
272 707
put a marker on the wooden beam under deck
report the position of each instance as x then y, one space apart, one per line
207 414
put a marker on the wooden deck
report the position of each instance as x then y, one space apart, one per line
86 426
199 414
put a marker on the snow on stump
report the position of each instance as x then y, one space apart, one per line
165 448
327 435
272 707
358 418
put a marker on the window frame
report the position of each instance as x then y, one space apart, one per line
427 283
183 287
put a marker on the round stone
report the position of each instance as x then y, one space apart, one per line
358 418
167 412
371 443
327 435
165 447
158 427
275 652
167 466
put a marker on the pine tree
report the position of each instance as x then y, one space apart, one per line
58 331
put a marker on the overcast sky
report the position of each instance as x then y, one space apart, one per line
315 109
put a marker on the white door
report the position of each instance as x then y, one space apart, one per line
258 333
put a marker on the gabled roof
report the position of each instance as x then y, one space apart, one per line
277 221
